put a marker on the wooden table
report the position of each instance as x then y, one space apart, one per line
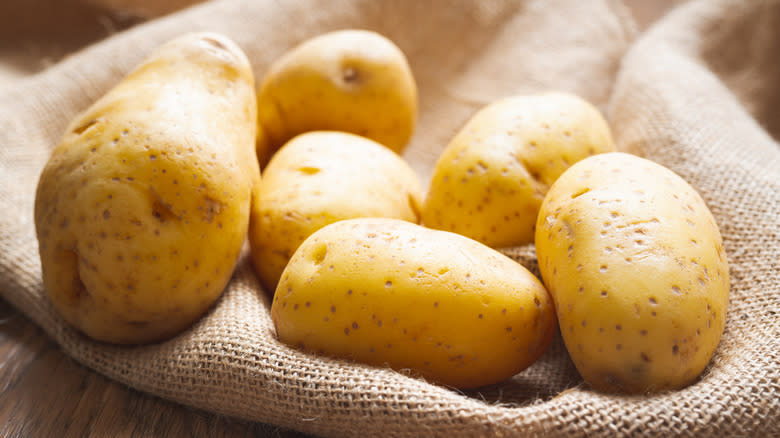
45 393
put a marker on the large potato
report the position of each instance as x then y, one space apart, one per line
489 182
385 291
636 267
351 80
142 209
319 178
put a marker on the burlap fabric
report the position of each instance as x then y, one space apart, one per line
698 93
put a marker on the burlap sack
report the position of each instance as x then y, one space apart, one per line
698 93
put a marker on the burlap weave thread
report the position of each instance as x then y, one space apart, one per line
698 93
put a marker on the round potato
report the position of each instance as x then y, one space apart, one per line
351 80
143 207
489 182
319 178
385 291
636 267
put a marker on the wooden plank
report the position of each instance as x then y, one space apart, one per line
45 393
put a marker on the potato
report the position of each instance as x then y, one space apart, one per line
489 182
351 80
142 209
388 292
319 178
636 267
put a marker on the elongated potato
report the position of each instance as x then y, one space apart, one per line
385 291
491 179
142 209
635 263
319 178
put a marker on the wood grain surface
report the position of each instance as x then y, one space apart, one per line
44 393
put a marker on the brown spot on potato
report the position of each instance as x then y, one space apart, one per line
309 170
211 208
78 130
319 253
580 192
350 75
162 211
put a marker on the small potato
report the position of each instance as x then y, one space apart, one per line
489 182
143 207
319 178
351 80
636 267
387 292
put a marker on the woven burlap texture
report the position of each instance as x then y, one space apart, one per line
698 93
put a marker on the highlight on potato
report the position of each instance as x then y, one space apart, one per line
489 182
354 81
142 209
389 292
319 178
635 264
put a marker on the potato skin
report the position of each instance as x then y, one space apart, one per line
319 178
635 263
143 207
388 292
350 80
489 182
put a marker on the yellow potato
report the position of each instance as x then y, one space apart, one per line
489 182
636 267
388 292
142 209
352 80
319 178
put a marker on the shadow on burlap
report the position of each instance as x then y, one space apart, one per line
698 93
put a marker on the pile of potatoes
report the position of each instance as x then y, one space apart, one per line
143 208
